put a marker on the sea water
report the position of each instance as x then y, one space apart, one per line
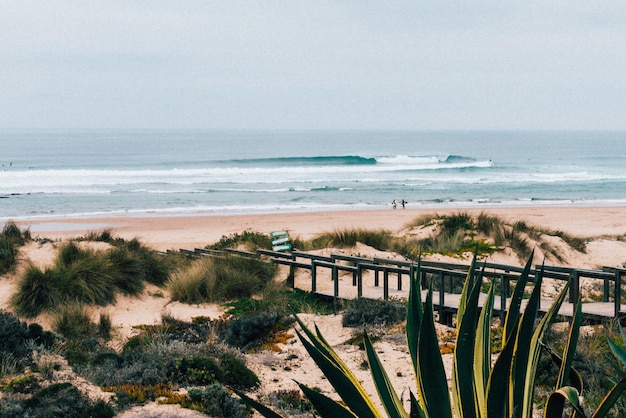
107 172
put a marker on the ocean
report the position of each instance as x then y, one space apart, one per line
80 173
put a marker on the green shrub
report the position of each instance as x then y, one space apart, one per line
250 239
14 336
217 402
234 372
220 279
249 330
198 371
380 239
105 326
362 312
73 322
65 400
88 277
11 237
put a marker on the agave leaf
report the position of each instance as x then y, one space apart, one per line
513 312
535 351
618 352
482 352
341 378
416 409
556 402
463 379
470 279
388 395
433 385
499 382
570 347
523 347
262 409
610 399
414 314
324 405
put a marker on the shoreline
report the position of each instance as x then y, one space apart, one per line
195 230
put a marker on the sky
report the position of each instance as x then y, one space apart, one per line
402 65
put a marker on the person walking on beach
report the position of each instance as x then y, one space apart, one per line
403 202
393 204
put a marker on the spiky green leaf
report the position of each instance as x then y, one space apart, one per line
341 378
324 405
555 404
570 347
463 379
414 314
433 384
514 309
535 351
388 396
482 352
262 409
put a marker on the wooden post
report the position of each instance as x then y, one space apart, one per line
618 292
376 277
313 276
385 284
359 291
442 292
336 286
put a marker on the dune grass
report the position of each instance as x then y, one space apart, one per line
88 277
381 239
457 233
220 279
11 238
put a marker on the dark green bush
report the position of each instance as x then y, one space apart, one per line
221 279
199 371
73 322
362 312
249 330
14 335
64 400
217 402
235 374
252 240
88 277
11 237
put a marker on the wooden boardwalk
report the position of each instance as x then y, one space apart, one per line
346 277
340 276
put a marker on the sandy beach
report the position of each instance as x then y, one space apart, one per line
173 232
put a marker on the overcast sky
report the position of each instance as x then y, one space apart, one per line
313 65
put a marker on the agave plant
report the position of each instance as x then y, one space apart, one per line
480 388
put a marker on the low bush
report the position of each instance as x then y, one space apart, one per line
65 400
215 401
250 239
220 279
380 239
88 277
251 330
11 237
16 339
73 322
367 312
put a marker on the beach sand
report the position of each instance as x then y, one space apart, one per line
279 370
174 232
